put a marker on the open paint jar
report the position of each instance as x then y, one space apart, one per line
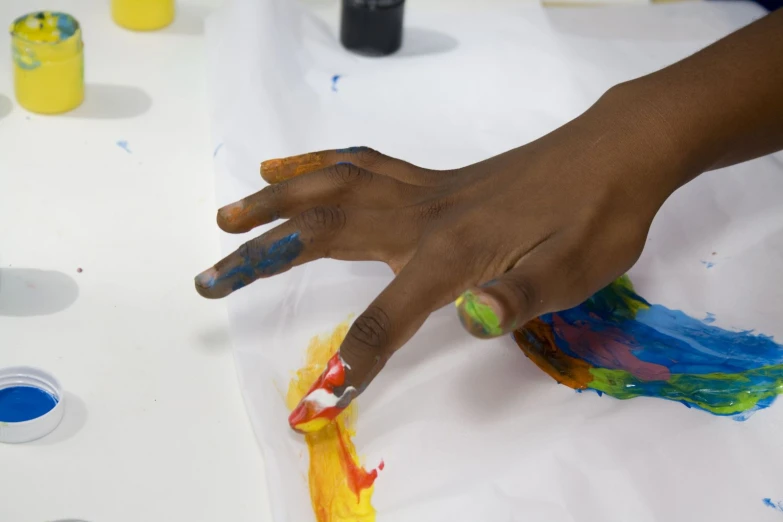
48 56
143 15
31 404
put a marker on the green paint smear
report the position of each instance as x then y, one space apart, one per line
718 393
481 314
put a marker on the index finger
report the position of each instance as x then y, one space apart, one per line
387 324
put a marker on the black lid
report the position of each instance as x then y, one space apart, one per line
372 27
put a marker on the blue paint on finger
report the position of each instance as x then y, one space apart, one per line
353 150
266 261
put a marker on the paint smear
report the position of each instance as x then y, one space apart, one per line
771 504
619 344
123 144
340 488
335 79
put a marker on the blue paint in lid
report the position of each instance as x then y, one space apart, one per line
24 403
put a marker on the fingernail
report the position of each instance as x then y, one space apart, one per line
206 279
481 314
325 400
231 213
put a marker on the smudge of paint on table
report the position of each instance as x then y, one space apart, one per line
24 403
123 144
708 264
778 506
217 149
341 488
335 79
618 343
79 270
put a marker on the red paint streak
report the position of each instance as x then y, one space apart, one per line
357 477
381 465
610 348
331 378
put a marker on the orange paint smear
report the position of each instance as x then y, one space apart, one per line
536 340
308 416
340 488
277 170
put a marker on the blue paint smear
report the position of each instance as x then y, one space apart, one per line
124 146
672 339
335 79
769 503
709 319
264 262
689 350
353 150
708 264
24 403
66 25
217 149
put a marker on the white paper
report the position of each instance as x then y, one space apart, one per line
494 438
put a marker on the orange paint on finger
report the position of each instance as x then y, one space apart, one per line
277 170
340 488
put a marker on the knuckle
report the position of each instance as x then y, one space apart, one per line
371 330
346 174
369 157
278 190
432 210
523 291
321 219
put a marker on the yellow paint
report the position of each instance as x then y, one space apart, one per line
143 15
48 56
335 493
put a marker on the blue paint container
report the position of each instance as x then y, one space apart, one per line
31 404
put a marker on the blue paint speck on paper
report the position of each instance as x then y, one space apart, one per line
776 506
24 403
352 150
335 79
123 144
708 264
217 149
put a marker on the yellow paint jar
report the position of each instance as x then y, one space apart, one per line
143 15
48 56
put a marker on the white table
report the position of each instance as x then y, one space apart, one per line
155 427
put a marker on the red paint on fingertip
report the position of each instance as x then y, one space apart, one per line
307 411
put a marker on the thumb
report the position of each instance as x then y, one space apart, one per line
507 303
392 319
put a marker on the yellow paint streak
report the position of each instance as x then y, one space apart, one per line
334 464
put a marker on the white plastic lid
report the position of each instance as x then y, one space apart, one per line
31 404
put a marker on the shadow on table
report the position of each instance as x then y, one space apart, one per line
189 20
6 106
417 41
28 292
104 101
74 419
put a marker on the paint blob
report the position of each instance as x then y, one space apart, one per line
619 344
340 488
24 403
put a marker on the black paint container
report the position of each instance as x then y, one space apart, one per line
372 27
